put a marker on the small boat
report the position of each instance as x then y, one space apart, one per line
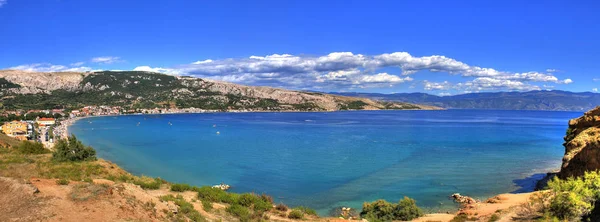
214 125
138 124
218 132
170 124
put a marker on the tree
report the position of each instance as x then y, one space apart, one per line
71 149
381 210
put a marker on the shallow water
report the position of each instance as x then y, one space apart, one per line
326 160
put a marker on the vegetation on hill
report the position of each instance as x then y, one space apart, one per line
71 149
381 210
135 90
572 199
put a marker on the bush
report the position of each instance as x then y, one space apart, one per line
306 210
72 150
181 187
207 205
28 147
573 198
296 214
247 199
381 210
62 182
494 218
281 207
239 211
148 183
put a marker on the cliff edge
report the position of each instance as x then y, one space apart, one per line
582 145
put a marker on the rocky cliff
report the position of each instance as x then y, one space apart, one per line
37 90
582 145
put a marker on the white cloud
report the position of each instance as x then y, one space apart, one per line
596 79
158 70
3 2
47 67
203 61
551 70
444 94
595 89
77 64
106 59
566 81
437 85
346 70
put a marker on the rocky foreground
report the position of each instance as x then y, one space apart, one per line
582 145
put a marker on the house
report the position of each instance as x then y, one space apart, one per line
17 129
45 121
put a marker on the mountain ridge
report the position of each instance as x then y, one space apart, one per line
137 89
556 100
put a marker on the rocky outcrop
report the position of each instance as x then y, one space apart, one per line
37 82
582 145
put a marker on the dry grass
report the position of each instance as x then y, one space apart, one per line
83 192
18 202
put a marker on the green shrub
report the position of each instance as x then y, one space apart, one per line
494 218
147 183
181 187
296 214
247 199
28 147
573 198
306 210
239 211
381 210
262 206
71 149
216 195
62 182
207 205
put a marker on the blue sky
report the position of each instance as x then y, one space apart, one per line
438 47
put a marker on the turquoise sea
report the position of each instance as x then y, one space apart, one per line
333 159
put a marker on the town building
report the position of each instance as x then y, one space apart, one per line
45 121
17 129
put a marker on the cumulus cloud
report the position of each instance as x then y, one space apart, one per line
595 89
346 69
158 70
3 2
47 67
106 59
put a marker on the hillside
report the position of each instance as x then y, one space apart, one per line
133 89
582 145
532 100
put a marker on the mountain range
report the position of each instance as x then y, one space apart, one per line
137 90
533 100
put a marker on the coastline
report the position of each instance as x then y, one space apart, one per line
491 194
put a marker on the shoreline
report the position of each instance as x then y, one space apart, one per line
454 209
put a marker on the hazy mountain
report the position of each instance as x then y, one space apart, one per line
532 100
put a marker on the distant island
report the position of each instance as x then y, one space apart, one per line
533 100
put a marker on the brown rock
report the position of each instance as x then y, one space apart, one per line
582 145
